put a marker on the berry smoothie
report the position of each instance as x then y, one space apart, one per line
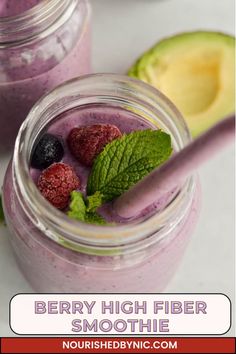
53 267
13 7
32 67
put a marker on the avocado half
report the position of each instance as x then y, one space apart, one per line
196 71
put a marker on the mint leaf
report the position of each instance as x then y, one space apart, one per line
77 206
94 201
126 161
94 218
79 211
2 219
121 164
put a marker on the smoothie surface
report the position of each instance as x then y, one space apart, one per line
126 122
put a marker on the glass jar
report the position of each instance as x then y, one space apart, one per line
58 254
40 49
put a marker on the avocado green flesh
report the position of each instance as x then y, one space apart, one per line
195 71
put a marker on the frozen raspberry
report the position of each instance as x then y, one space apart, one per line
85 143
57 182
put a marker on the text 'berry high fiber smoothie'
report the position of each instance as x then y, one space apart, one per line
42 44
80 158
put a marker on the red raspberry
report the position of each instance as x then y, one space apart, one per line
85 143
57 182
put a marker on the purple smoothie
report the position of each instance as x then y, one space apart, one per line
16 7
28 71
51 267
2 5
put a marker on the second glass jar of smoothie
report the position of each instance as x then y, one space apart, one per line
59 254
42 44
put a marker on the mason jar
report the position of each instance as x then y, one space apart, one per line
39 49
59 254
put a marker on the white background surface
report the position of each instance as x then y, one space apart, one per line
122 30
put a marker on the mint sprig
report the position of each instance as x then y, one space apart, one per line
126 161
94 201
118 167
82 212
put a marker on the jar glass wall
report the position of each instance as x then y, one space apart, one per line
58 254
39 49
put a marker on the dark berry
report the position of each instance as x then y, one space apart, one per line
57 182
86 143
48 150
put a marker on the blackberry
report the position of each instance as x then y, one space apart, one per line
48 150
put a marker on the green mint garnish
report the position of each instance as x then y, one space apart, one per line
118 167
126 161
94 201
2 219
77 206
94 218
80 211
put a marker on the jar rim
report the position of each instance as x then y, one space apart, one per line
75 232
34 22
